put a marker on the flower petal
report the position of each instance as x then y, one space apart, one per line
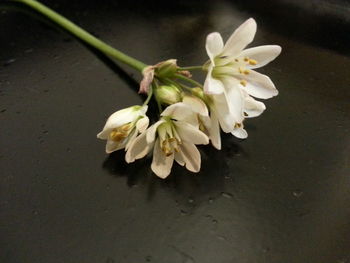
214 131
212 85
234 98
151 132
196 104
191 157
262 54
240 38
142 124
161 164
259 85
179 159
240 133
138 148
222 111
189 133
214 45
252 107
111 146
177 111
131 139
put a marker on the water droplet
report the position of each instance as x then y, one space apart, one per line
226 195
214 221
35 212
221 238
9 62
183 212
297 193
210 200
191 200
148 258
45 132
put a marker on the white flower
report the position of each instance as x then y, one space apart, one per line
172 138
234 65
231 79
123 126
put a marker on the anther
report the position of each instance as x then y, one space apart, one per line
252 62
243 83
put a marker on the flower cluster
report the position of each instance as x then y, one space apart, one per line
191 113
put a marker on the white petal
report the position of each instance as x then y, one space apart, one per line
131 138
262 54
259 85
142 124
240 38
179 159
234 98
196 104
214 45
143 110
214 132
212 85
151 132
177 111
161 164
191 157
138 148
189 133
253 107
222 111
240 133
112 146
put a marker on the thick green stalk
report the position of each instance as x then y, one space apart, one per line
84 35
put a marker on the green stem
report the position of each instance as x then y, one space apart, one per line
150 93
193 82
84 35
191 68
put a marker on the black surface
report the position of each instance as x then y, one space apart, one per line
282 195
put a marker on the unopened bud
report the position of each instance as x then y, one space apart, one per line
198 92
168 94
166 68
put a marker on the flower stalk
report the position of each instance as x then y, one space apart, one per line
84 35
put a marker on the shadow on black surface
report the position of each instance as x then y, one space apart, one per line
210 181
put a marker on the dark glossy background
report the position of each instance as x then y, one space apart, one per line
282 195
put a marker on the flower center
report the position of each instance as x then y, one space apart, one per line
170 141
121 132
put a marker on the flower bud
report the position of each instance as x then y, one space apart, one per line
166 68
168 94
198 92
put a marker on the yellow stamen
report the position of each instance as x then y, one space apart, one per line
246 59
125 127
238 125
246 72
117 135
252 62
243 83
